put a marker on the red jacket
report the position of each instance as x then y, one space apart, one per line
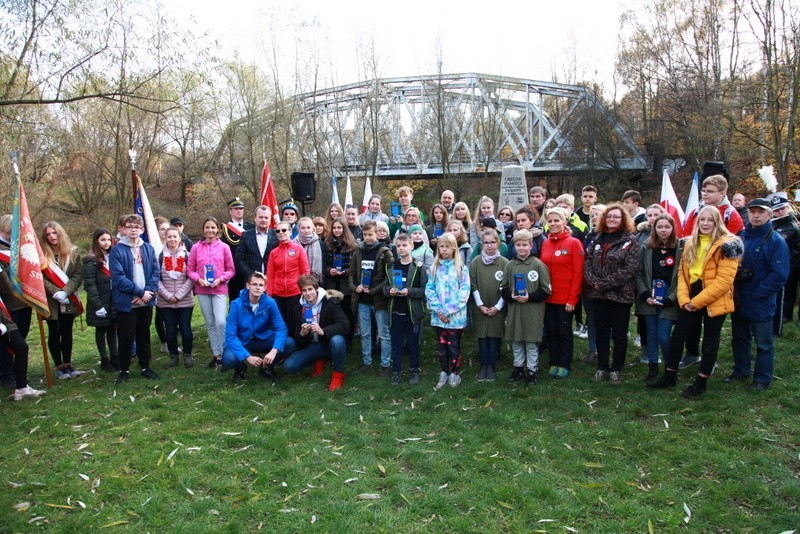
731 218
286 263
563 256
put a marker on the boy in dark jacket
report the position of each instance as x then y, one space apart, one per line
405 287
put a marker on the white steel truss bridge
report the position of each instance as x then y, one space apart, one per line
454 124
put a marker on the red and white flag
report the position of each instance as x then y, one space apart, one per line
367 195
348 195
669 200
27 258
268 197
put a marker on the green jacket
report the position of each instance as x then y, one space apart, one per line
416 282
525 321
486 280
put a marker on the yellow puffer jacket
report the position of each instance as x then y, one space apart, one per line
719 272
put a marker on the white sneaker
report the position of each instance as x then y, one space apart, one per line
164 348
584 333
578 329
72 372
63 374
638 341
442 380
27 391
455 379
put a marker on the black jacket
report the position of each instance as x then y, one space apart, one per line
98 292
331 318
248 258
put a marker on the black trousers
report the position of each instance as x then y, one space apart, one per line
611 321
14 350
688 323
134 325
558 325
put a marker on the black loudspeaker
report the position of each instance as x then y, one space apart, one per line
710 168
304 187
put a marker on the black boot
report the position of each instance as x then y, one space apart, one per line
652 372
105 364
516 375
667 380
530 378
173 361
697 388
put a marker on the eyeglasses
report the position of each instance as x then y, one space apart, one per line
613 216
133 227
281 230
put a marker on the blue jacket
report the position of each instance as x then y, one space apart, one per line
123 288
768 259
243 325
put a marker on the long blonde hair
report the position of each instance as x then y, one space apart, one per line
447 239
692 245
65 246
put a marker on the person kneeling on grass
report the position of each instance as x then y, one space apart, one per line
320 330
255 326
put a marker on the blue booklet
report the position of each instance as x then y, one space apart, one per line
437 230
366 277
308 314
338 262
209 273
660 289
519 285
399 283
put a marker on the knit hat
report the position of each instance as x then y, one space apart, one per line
415 228
488 222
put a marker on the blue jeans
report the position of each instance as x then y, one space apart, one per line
174 319
744 333
335 350
489 350
258 346
365 313
659 332
405 337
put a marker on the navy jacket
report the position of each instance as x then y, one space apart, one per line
123 289
248 258
767 256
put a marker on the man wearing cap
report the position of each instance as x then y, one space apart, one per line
785 223
290 214
177 222
761 276
232 232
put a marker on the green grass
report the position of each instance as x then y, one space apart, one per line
194 453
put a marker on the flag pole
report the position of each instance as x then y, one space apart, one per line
48 375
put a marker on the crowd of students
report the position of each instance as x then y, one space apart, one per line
297 295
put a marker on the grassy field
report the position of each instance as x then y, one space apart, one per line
195 453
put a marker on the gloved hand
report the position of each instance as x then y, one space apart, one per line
60 296
3 329
102 313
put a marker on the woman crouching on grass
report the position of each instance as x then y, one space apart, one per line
705 295
100 311
447 292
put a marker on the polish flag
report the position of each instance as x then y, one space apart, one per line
669 200
268 197
367 195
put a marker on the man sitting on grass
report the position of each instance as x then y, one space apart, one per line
255 333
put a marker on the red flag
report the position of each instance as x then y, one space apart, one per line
268 197
27 258
669 200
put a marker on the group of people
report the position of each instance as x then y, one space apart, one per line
298 294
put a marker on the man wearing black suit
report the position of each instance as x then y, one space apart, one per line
231 235
255 245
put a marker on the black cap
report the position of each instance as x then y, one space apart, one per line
488 222
235 202
176 221
762 203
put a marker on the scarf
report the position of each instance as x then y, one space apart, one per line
313 252
488 260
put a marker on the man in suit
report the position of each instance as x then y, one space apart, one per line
256 244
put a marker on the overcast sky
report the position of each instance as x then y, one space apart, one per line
519 39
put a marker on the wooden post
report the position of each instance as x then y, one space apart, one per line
47 373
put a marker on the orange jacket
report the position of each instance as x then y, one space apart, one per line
719 272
